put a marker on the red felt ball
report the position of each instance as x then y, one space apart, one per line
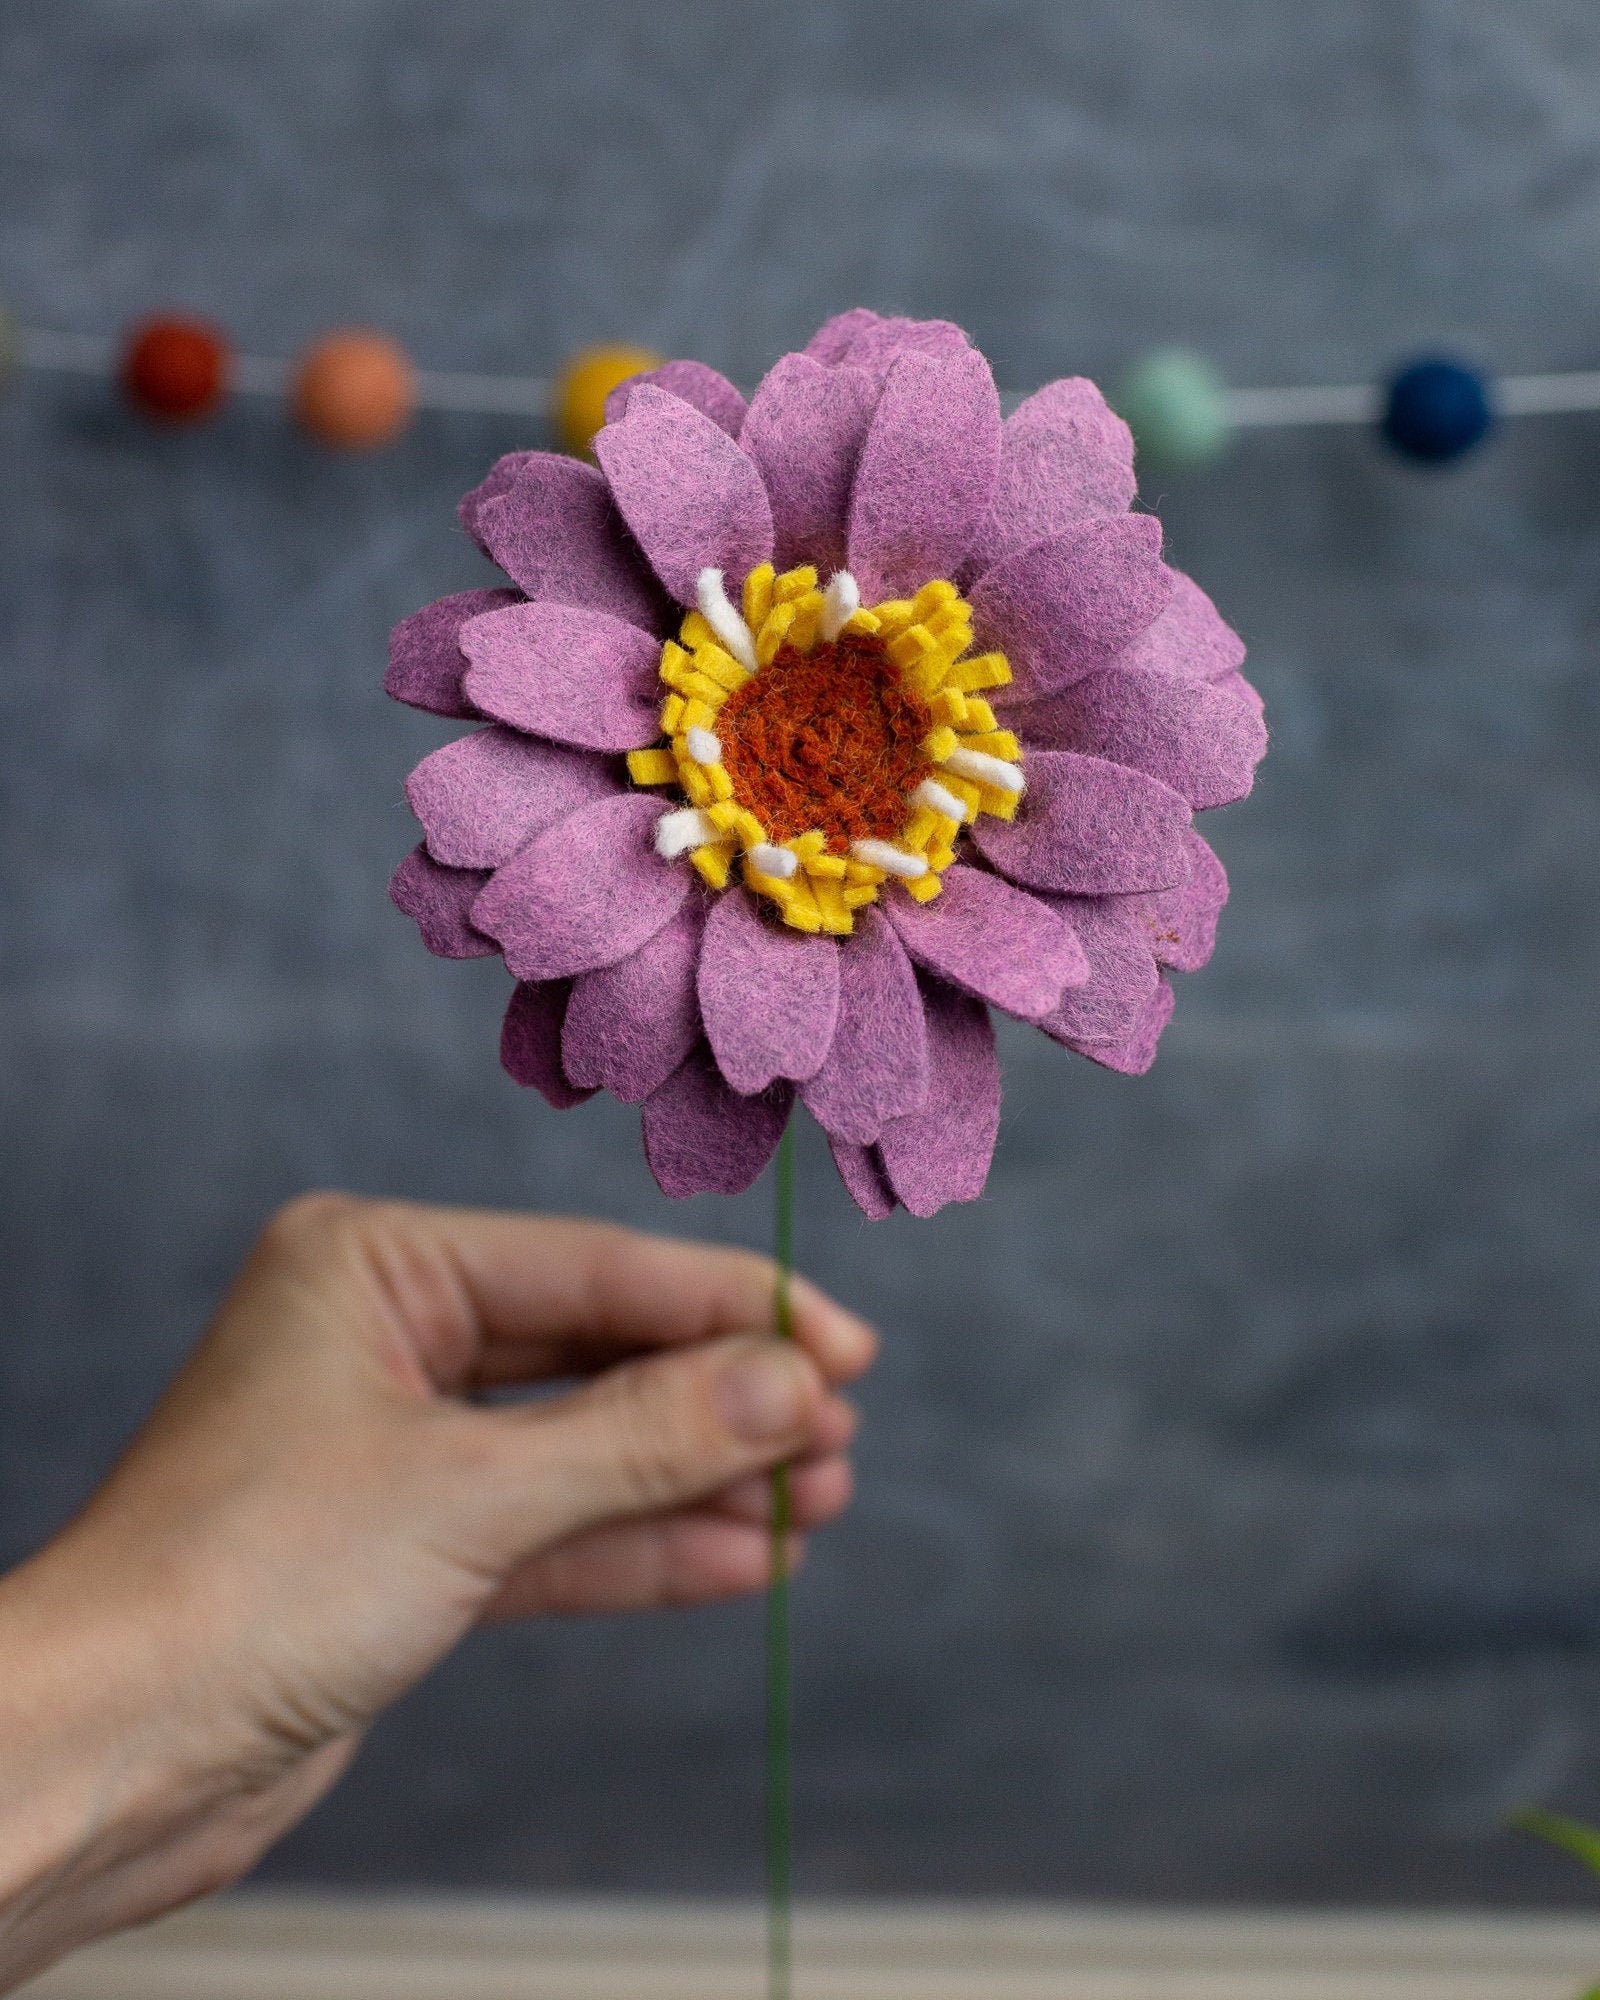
175 368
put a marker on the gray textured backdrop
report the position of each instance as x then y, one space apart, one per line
1230 1502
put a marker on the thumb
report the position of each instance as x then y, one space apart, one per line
652 1434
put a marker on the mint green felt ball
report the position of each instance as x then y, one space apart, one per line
1175 403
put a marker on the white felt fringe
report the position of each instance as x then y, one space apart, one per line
840 602
932 794
677 832
779 861
892 860
983 769
724 620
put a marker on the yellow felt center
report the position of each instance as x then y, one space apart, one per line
832 760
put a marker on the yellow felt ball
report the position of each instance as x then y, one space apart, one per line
578 396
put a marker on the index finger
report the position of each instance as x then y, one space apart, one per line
553 1295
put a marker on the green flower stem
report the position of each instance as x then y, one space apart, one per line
1580 1841
780 1726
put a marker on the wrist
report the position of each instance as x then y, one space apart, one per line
109 1782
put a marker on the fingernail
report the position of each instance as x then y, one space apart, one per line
762 1395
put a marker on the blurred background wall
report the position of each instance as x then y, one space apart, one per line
1230 1521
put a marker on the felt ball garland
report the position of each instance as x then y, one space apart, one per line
175 370
578 395
357 389
1437 409
1175 403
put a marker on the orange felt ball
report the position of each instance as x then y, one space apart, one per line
355 389
175 368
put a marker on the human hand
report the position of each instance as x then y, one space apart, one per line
322 1504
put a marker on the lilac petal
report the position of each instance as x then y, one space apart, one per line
713 395
926 473
992 940
1236 684
692 498
530 1042
483 796
1065 457
501 477
1190 638
1066 606
1199 738
831 342
438 901
861 338
804 432
769 997
861 1170
1134 1054
1182 920
701 1137
580 677
1116 937
425 663
1089 828
942 1152
877 1067
585 893
554 530
629 1025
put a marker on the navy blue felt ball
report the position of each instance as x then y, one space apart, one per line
1436 410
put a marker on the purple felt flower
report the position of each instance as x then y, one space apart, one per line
813 728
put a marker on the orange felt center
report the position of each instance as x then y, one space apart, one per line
828 740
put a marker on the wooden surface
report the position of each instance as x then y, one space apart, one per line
276 1948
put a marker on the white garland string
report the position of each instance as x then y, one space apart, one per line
526 395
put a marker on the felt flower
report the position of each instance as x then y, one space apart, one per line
815 727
